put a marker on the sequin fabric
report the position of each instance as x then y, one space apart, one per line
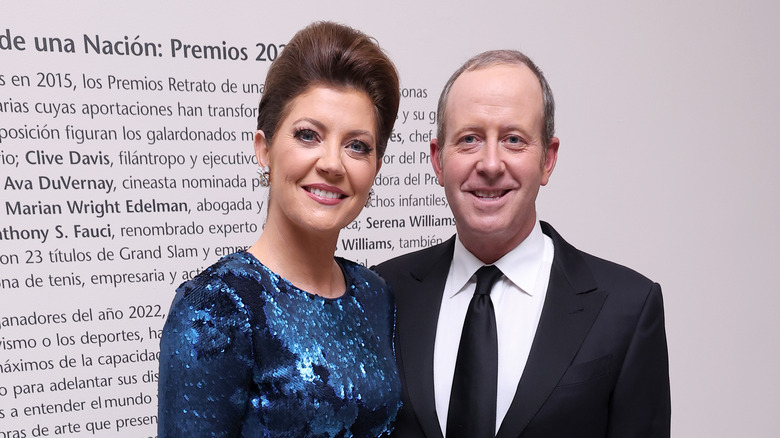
244 353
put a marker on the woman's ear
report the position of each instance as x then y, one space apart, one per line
261 148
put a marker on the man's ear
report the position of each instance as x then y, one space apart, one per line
436 160
261 149
550 158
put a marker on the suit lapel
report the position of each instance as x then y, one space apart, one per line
571 306
419 300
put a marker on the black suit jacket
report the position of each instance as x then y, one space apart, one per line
598 365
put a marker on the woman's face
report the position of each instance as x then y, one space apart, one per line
322 160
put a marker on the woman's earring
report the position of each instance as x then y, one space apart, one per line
265 176
370 195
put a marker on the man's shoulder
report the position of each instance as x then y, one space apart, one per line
416 259
605 272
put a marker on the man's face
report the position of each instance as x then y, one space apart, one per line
492 159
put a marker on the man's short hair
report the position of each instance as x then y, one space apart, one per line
501 57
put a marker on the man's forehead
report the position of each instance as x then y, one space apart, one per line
499 79
496 91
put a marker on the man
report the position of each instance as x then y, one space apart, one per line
581 346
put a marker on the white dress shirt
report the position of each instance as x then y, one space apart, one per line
517 298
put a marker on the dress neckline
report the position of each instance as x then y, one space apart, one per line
348 280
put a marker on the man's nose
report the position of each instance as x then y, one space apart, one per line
490 160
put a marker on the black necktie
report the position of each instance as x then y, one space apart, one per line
472 411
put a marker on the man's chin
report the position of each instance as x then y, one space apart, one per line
483 229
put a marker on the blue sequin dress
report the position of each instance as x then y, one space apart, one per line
244 353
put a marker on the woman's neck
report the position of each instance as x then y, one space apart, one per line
305 259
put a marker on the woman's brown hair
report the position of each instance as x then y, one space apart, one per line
332 55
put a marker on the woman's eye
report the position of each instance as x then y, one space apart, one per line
306 135
359 146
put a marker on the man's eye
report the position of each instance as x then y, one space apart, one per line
469 139
514 139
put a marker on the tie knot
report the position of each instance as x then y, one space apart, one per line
486 278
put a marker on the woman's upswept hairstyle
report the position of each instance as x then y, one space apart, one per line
332 55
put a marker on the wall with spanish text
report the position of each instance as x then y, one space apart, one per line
126 167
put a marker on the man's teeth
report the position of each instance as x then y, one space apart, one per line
324 194
489 194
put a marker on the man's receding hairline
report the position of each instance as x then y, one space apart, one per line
476 68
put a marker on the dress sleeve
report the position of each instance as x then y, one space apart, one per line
205 364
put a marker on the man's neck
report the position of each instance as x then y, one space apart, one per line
490 247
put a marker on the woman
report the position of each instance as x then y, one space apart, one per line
285 339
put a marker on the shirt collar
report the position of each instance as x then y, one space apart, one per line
520 265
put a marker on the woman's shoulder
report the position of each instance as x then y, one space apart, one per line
217 286
237 267
362 276
209 313
366 284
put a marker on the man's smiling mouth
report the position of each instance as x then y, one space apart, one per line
489 194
